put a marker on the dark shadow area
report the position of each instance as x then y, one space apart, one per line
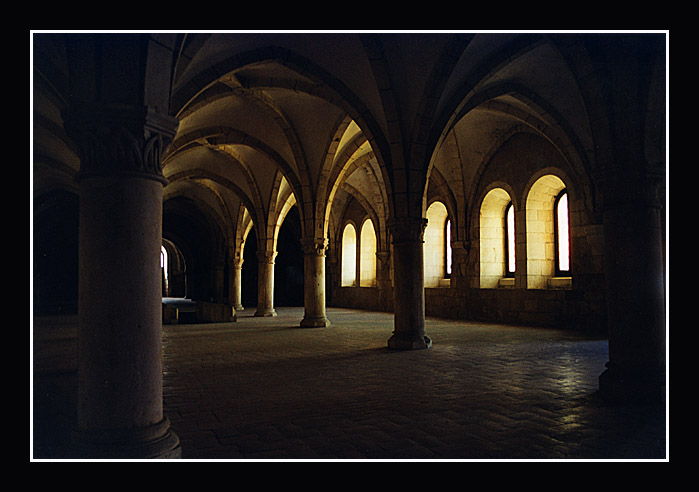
288 268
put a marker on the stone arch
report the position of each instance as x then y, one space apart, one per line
540 199
283 199
367 253
205 255
491 235
344 169
323 85
194 174
434 245
216 136
244 224
348 263
440 191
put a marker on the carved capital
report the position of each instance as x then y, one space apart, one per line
266 257
314 246
120 141
407 229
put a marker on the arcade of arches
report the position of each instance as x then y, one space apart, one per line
512 177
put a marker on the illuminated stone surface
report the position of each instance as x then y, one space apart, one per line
264 388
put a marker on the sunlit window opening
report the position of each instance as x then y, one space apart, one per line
543 245
163 260
510 234
367 255
495 239
164 267
562 237
349 256
434 249
448 247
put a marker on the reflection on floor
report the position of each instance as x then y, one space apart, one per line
263 388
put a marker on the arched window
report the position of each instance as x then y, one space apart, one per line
367 255
510 240
548 237
562 231
496 239
447 245
434 247
164 269
349 256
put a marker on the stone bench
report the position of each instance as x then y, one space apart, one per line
188 311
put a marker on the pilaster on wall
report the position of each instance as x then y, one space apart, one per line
459 266
384 280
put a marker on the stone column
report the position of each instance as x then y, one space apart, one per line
314 282
120 399
235 278
409 284
635 295
265 283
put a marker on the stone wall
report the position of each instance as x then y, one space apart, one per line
568 308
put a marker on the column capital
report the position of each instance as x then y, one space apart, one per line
618 190
266 257
407 229
314 245
119 141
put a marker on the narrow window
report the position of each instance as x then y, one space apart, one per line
562 232
367 255
510 240
434 247
447 244
163 261
349 256
164 271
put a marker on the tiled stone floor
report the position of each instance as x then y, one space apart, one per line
262 388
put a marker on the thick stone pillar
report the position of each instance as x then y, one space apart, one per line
265 283
635 296
120 400
314 282
409 284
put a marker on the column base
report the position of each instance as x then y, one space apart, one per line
320 322
154 442
401 342
265 313
634 386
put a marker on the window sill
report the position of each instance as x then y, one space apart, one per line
560 282
506 283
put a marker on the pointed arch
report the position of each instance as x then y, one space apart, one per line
367 254
198 174
348 269
434 246
321 84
